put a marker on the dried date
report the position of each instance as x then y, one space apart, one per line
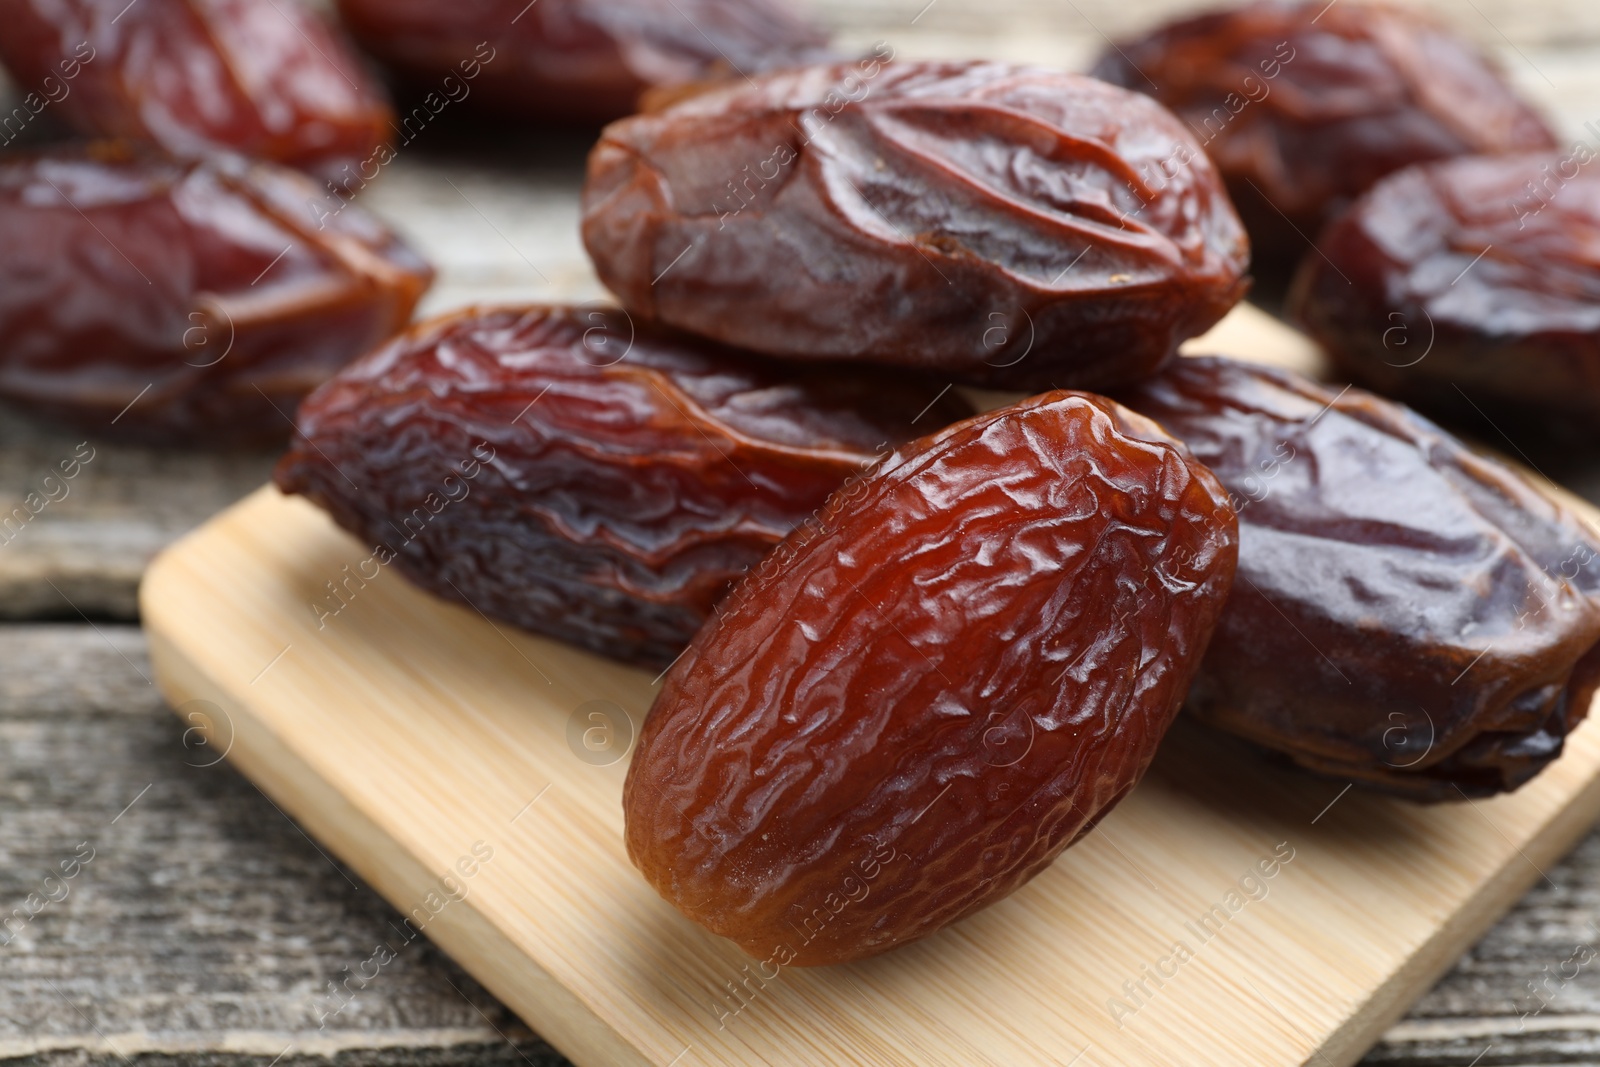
581 61
1007 226
1470 277
622 479
1303 106
934 687
265 78
1407 614
184 303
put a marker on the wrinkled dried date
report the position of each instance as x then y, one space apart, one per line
634 476
582 60
184 302
1475 276
935 686
267 78
1004 225
1407 614
1303 106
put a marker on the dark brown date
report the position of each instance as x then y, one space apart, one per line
556 468
1007 226
930 690
1303 106
580 61
1469 278
184 303
266 78
1407 614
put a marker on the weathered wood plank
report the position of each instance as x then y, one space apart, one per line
84 542
205 925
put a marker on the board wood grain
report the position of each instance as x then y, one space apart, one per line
446 759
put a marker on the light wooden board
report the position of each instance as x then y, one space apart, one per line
408 735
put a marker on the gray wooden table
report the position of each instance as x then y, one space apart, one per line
201 926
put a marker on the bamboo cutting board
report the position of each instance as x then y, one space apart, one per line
1228 912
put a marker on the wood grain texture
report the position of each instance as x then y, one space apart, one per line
205 924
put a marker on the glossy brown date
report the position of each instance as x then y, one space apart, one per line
1474 281
620 479
1303 106
266 78
929 691
1407 614
1001 225
581 61
184 303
